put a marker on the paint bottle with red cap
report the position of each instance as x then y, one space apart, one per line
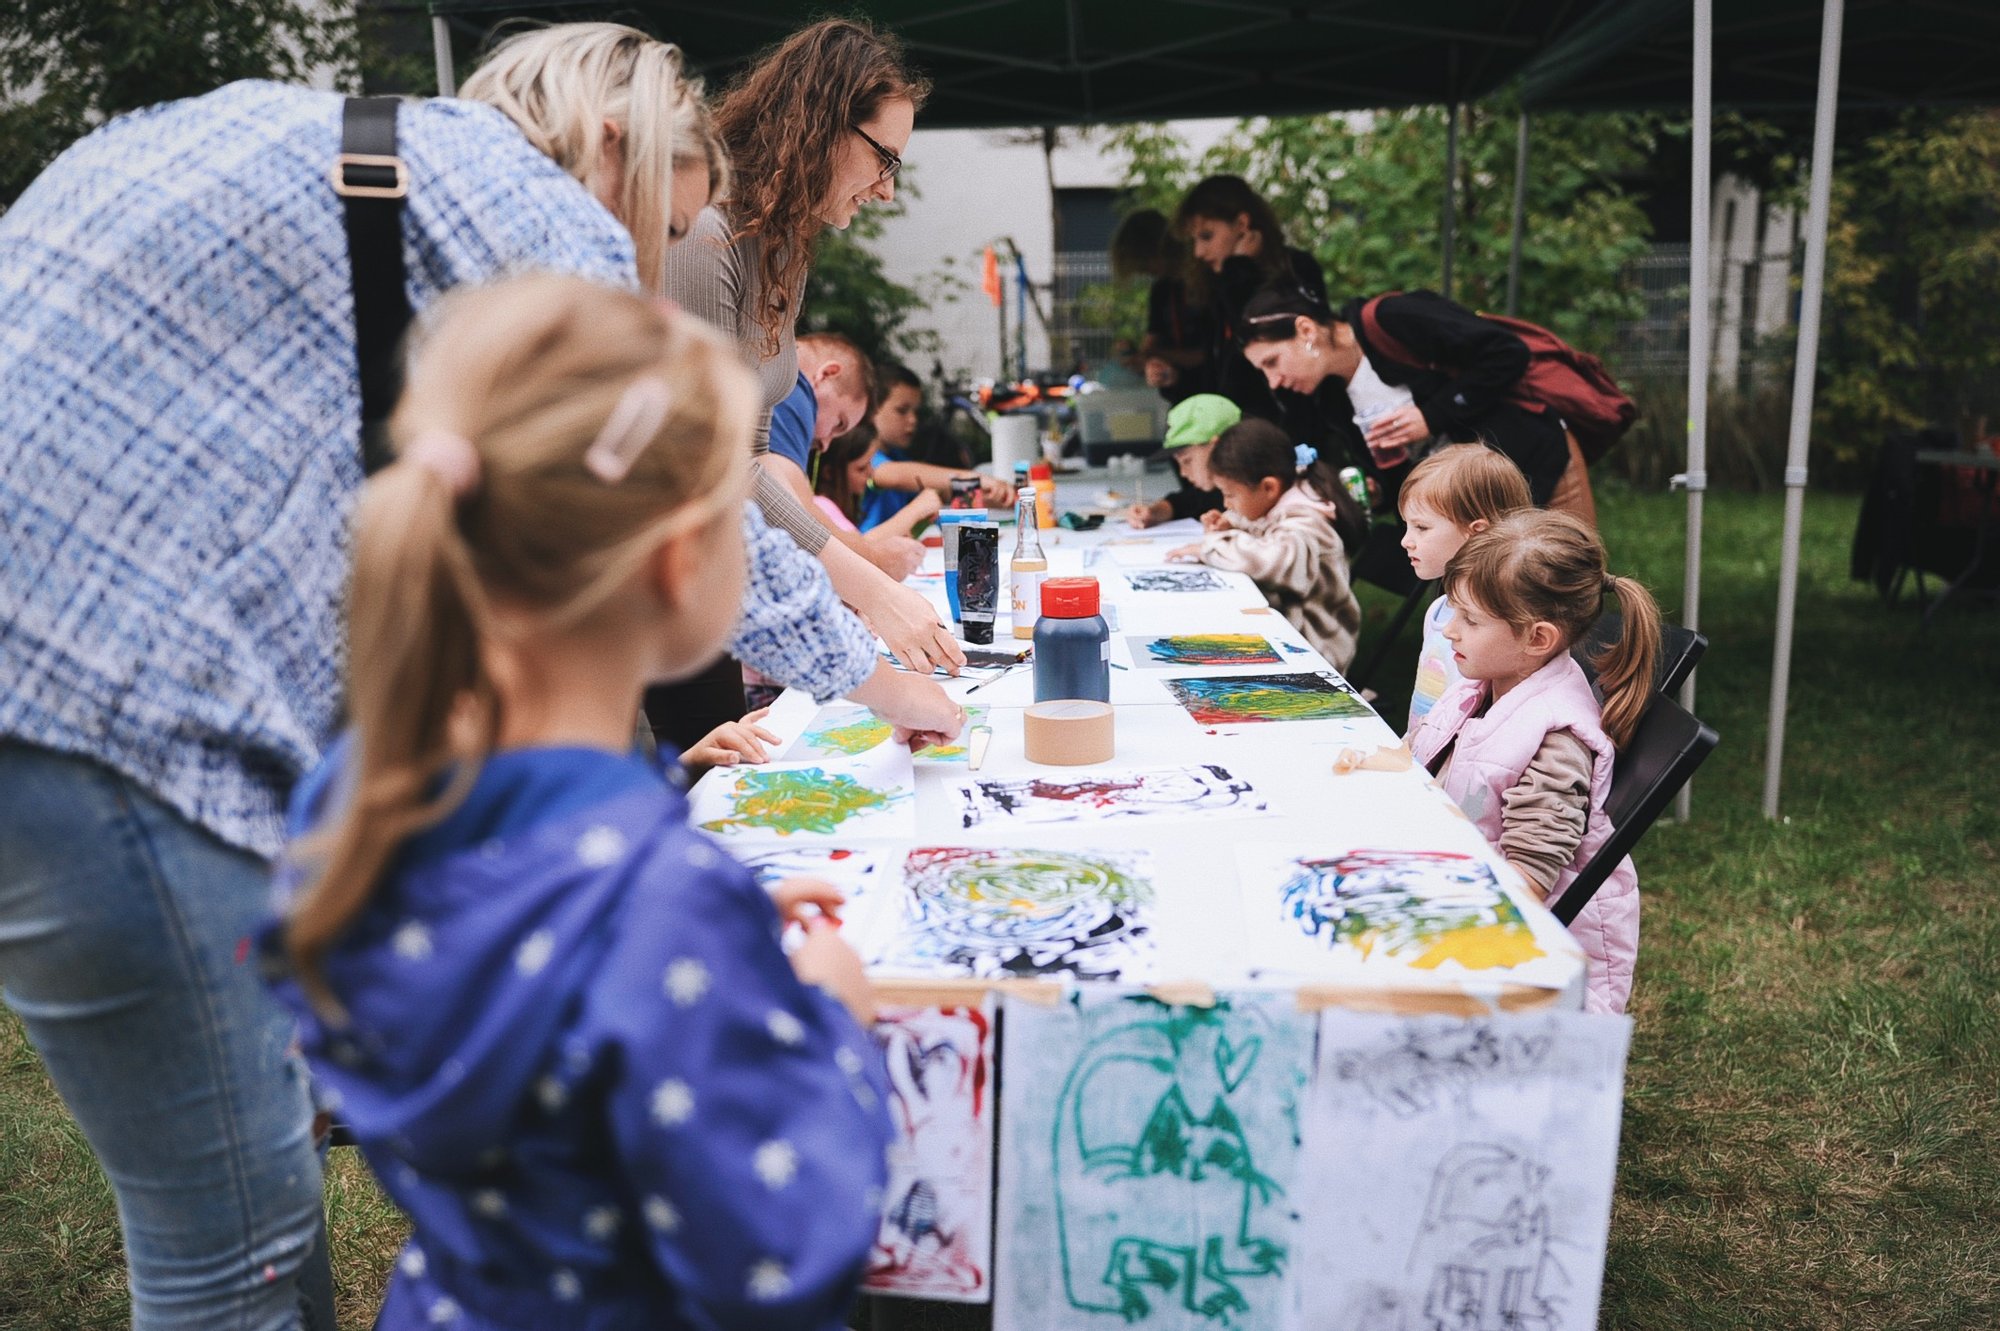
1072 643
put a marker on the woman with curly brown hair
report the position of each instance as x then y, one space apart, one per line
815 131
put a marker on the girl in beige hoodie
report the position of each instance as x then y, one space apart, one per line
1280 524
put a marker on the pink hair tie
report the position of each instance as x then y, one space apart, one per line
449 457
629 429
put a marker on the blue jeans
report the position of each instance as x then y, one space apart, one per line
120 926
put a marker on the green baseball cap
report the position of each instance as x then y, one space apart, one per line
1198 419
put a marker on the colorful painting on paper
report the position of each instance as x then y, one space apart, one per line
1194 650
1203 791
873 795
1228 700
1456 1173
1147 1162
1006 913
841 729
936 1240
1175 580
1439 912
954 752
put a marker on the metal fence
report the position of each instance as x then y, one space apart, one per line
1073 335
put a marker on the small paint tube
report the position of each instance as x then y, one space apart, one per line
978 579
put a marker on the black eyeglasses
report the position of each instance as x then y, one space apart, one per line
891 162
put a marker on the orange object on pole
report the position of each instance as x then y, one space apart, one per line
989 277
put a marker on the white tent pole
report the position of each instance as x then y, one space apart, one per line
441 47
1700 308
1449 220
1520 219
1820 196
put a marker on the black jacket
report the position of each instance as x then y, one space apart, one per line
1462 371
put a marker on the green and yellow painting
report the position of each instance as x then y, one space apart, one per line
1422 909
1194 650
1229 700
802 799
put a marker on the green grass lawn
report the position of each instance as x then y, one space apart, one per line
1811 1105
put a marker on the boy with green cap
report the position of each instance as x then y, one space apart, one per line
1192 427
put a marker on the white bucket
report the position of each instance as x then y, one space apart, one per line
1015 439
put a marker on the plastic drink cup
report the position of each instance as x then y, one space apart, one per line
1385 455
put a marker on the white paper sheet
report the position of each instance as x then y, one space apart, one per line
870 795
1458 1174
936 1240
1006 913
1329 912
1147 1163
1195 791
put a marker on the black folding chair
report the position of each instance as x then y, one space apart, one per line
1669 744
1680 649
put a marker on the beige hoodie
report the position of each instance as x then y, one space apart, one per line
1294 556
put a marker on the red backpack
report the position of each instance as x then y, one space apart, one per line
1573 384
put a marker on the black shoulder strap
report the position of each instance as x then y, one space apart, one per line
371 181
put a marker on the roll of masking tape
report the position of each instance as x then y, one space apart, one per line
1069 731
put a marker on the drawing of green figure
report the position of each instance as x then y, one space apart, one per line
1160 1202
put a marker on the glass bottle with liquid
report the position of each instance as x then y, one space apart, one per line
1027 568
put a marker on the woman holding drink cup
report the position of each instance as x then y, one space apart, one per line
1406 368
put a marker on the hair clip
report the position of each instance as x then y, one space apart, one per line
629 429
449 457
1306 455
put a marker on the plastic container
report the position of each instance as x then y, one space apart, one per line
1044 478
1120 420
1072 643
1015 439
1027 570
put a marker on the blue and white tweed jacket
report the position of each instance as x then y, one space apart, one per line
179 411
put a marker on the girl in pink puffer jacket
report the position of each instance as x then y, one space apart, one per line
1520 743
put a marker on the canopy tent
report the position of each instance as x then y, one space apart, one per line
1059 62
1064 62
1777 55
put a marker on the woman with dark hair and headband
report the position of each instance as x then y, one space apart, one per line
1389 376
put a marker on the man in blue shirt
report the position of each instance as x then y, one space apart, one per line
835 393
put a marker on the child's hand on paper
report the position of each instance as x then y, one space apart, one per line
1185 554
825 959
800 901
733 742
1215 519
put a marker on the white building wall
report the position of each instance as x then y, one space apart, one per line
974 188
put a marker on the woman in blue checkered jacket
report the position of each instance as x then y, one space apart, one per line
179 416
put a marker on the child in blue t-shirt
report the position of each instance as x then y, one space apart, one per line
1455 493
557 1018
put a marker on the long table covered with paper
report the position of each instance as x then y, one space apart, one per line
1271 1037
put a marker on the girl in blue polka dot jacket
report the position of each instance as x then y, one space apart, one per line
557 1019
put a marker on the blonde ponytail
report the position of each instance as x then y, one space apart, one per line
418 699
521 379
1626 669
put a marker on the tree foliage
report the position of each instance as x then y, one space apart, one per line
67 66
1365 195
1912 303
849 291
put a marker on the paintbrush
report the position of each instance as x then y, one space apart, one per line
1004 670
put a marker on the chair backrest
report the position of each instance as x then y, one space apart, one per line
1663 753
1680 649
